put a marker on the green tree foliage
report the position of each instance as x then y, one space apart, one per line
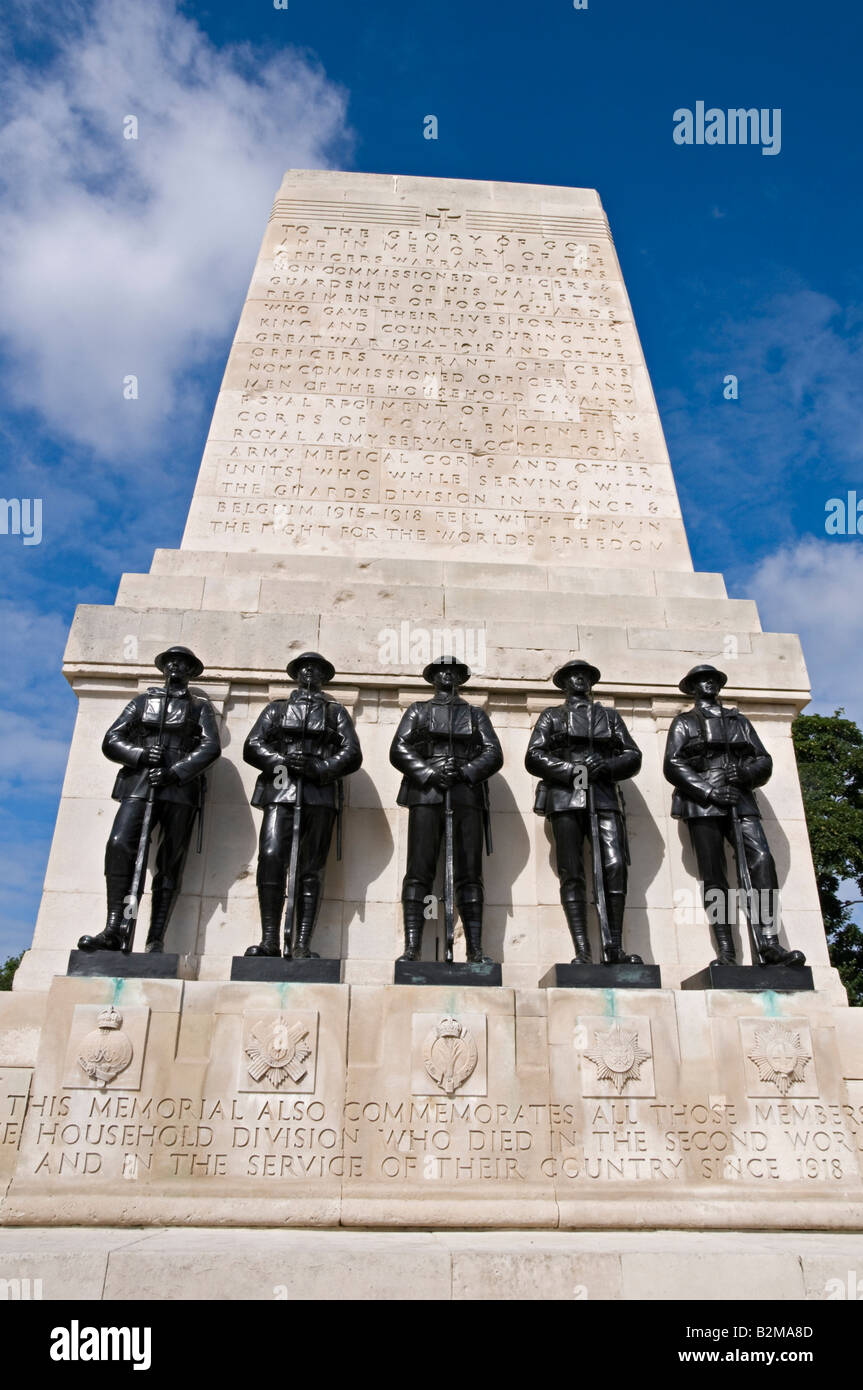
7 970
829 752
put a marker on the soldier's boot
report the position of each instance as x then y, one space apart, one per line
575 911
617 956
413 920
772 953
725 951
309 896
160 911
470 909
270 900
114 933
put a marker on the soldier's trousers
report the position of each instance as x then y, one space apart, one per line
709 834
274 845
426 825
174 819
570 828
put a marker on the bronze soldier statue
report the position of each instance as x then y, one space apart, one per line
447 751
714 759
165 739
582 750
303 746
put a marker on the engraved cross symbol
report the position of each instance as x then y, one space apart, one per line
443 216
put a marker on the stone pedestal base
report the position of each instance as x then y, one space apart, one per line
443 1106
277 968
243 1264
441 972
571 976
780 978
137 965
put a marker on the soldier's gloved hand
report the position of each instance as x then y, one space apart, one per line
154 757
725 796
596 766
442 779
162 777
739 777
297 763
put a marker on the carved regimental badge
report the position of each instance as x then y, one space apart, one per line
449 1054
278 1051
779 1056
106 1051
617 1056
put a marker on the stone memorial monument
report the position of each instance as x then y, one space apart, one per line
435 436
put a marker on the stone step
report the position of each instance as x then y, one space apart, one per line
435 573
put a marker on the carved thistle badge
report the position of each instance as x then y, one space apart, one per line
449 1054
779 1056
278 1051
617 1056
106 1051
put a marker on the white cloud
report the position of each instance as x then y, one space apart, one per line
124 256
813 588
750 467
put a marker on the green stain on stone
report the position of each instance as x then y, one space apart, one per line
771 1004
610 1006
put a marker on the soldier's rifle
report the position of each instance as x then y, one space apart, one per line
596 853
133 900
448 876
293 862
744 877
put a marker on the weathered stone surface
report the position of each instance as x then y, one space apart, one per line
252 1103
299 1266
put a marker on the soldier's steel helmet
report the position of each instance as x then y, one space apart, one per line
592 672
164 657
448 663
327 667
687 685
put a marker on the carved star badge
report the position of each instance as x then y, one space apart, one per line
617 1056
779 1056
278 1051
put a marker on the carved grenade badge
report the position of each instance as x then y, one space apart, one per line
107 1050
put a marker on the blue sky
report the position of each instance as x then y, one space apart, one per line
134 257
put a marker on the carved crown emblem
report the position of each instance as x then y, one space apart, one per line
779 1056
617 1056
107 1050
278 1051
449 1054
